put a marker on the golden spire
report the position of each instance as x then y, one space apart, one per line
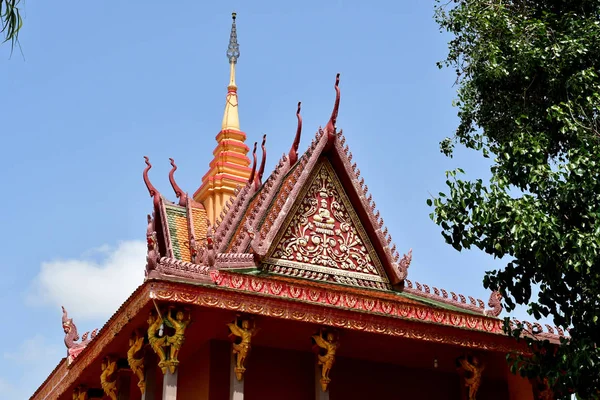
230 165
230 118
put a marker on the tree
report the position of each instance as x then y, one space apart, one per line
10 20
528 99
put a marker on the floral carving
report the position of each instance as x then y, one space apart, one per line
325 232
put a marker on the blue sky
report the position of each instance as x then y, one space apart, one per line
99 86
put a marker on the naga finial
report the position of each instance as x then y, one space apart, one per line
261 169
67 323
293 156
74 347
151 189
495 304
251 179
330 127
178 192
152 254
402 266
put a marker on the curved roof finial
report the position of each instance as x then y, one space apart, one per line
293 156
178 192
251 179
151 189
330 127
261 169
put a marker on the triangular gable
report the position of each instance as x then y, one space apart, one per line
258 216
323 238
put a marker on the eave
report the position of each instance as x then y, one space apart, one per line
292 300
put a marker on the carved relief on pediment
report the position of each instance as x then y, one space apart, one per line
324 231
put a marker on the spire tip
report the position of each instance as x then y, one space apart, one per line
233 50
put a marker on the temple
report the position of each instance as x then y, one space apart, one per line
286 286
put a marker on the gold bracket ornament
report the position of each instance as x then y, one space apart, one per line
175 341
242 331
108 378
167 347
157 343
471 369
80 393
135 357
326 345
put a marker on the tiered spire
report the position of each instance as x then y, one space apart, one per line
230 165
230 118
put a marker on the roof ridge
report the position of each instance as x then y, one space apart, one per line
266 195
374 215
232 216
459 300
290 193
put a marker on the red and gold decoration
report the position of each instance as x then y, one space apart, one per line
325 236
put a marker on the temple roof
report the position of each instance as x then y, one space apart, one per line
310 226
312 219
309 237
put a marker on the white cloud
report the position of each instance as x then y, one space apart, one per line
91 289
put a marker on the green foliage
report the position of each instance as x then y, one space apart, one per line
528 75
10 20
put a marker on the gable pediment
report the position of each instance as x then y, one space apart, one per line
322 237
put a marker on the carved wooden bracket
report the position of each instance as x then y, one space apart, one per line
326 342
167 342
80 393
135 357
242 330
471 369
108 377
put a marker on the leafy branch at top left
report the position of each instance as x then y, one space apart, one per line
10 21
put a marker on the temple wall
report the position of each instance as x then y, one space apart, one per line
279 374
275 373
194 375
220 356
134 390
359 379
519 388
